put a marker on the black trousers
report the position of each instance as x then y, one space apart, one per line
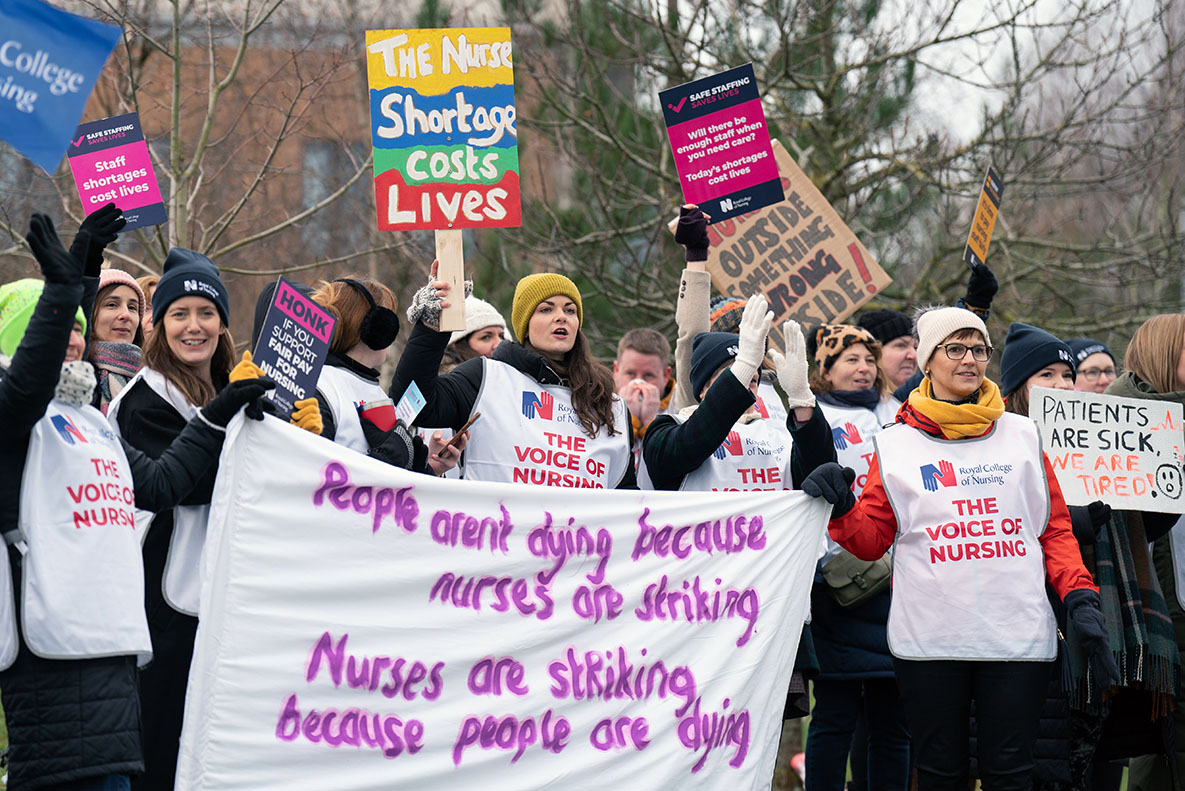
1008 698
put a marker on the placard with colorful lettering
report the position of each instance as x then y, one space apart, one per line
799 253
49 62
110 162
1126 452
718 135
292 346
443 127
366 627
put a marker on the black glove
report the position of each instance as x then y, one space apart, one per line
1089 520
692 233
398 446
99 229
1086 615
981 287
833 483
57 265
233 397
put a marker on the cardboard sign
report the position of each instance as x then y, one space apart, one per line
799 253
365 627
443 127
721 144
986 211
1126 452
292 346
49 61
110 162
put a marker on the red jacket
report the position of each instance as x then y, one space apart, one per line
869 529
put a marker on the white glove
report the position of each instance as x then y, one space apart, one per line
792 367
755 321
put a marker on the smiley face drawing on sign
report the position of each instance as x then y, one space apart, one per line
1169 480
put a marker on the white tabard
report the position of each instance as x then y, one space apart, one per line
754 457
1177 549
529 433
852 431
345 390
968 567
83 580
769 402
182 579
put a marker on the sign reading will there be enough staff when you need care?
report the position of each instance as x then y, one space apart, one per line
443 128
1126 452
366 627
718 136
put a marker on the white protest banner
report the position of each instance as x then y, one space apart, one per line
364 627
1126 452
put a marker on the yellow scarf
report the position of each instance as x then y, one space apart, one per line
959 421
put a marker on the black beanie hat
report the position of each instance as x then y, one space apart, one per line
1085 347
709 352
886 325
189 274
1027 350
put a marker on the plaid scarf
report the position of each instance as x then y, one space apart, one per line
1138 624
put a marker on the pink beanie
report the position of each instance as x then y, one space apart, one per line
111 277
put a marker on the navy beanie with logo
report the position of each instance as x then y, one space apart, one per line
710 351
1027 350
1085 347
189 274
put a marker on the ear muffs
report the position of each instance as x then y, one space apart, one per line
380 326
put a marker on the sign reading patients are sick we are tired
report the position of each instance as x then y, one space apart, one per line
443 128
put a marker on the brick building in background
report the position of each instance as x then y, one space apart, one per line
288 132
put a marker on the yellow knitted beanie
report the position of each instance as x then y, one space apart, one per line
532 290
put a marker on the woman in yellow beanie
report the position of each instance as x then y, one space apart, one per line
549 412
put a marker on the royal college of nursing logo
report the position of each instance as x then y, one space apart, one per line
848 435
66 429
732 446
540 405
943 474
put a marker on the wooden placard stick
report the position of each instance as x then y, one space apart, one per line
451 255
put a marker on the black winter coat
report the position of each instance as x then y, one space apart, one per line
77 718
450 398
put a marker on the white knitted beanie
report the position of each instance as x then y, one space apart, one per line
934 326
479 314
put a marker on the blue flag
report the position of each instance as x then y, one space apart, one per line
49 61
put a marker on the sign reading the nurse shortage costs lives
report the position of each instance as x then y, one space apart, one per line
799 253
366 627
721 144
443 128
293 343
110 162
1126 452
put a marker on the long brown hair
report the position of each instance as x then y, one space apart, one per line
1155 351
159 357
592 386
1017 401
350 308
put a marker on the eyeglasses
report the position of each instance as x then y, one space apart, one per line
957 351
1092 374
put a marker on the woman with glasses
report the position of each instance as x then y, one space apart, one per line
855 667
966 496
1096 364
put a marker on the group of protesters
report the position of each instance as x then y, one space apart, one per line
1040 662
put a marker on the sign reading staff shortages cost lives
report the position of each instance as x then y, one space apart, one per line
721 144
